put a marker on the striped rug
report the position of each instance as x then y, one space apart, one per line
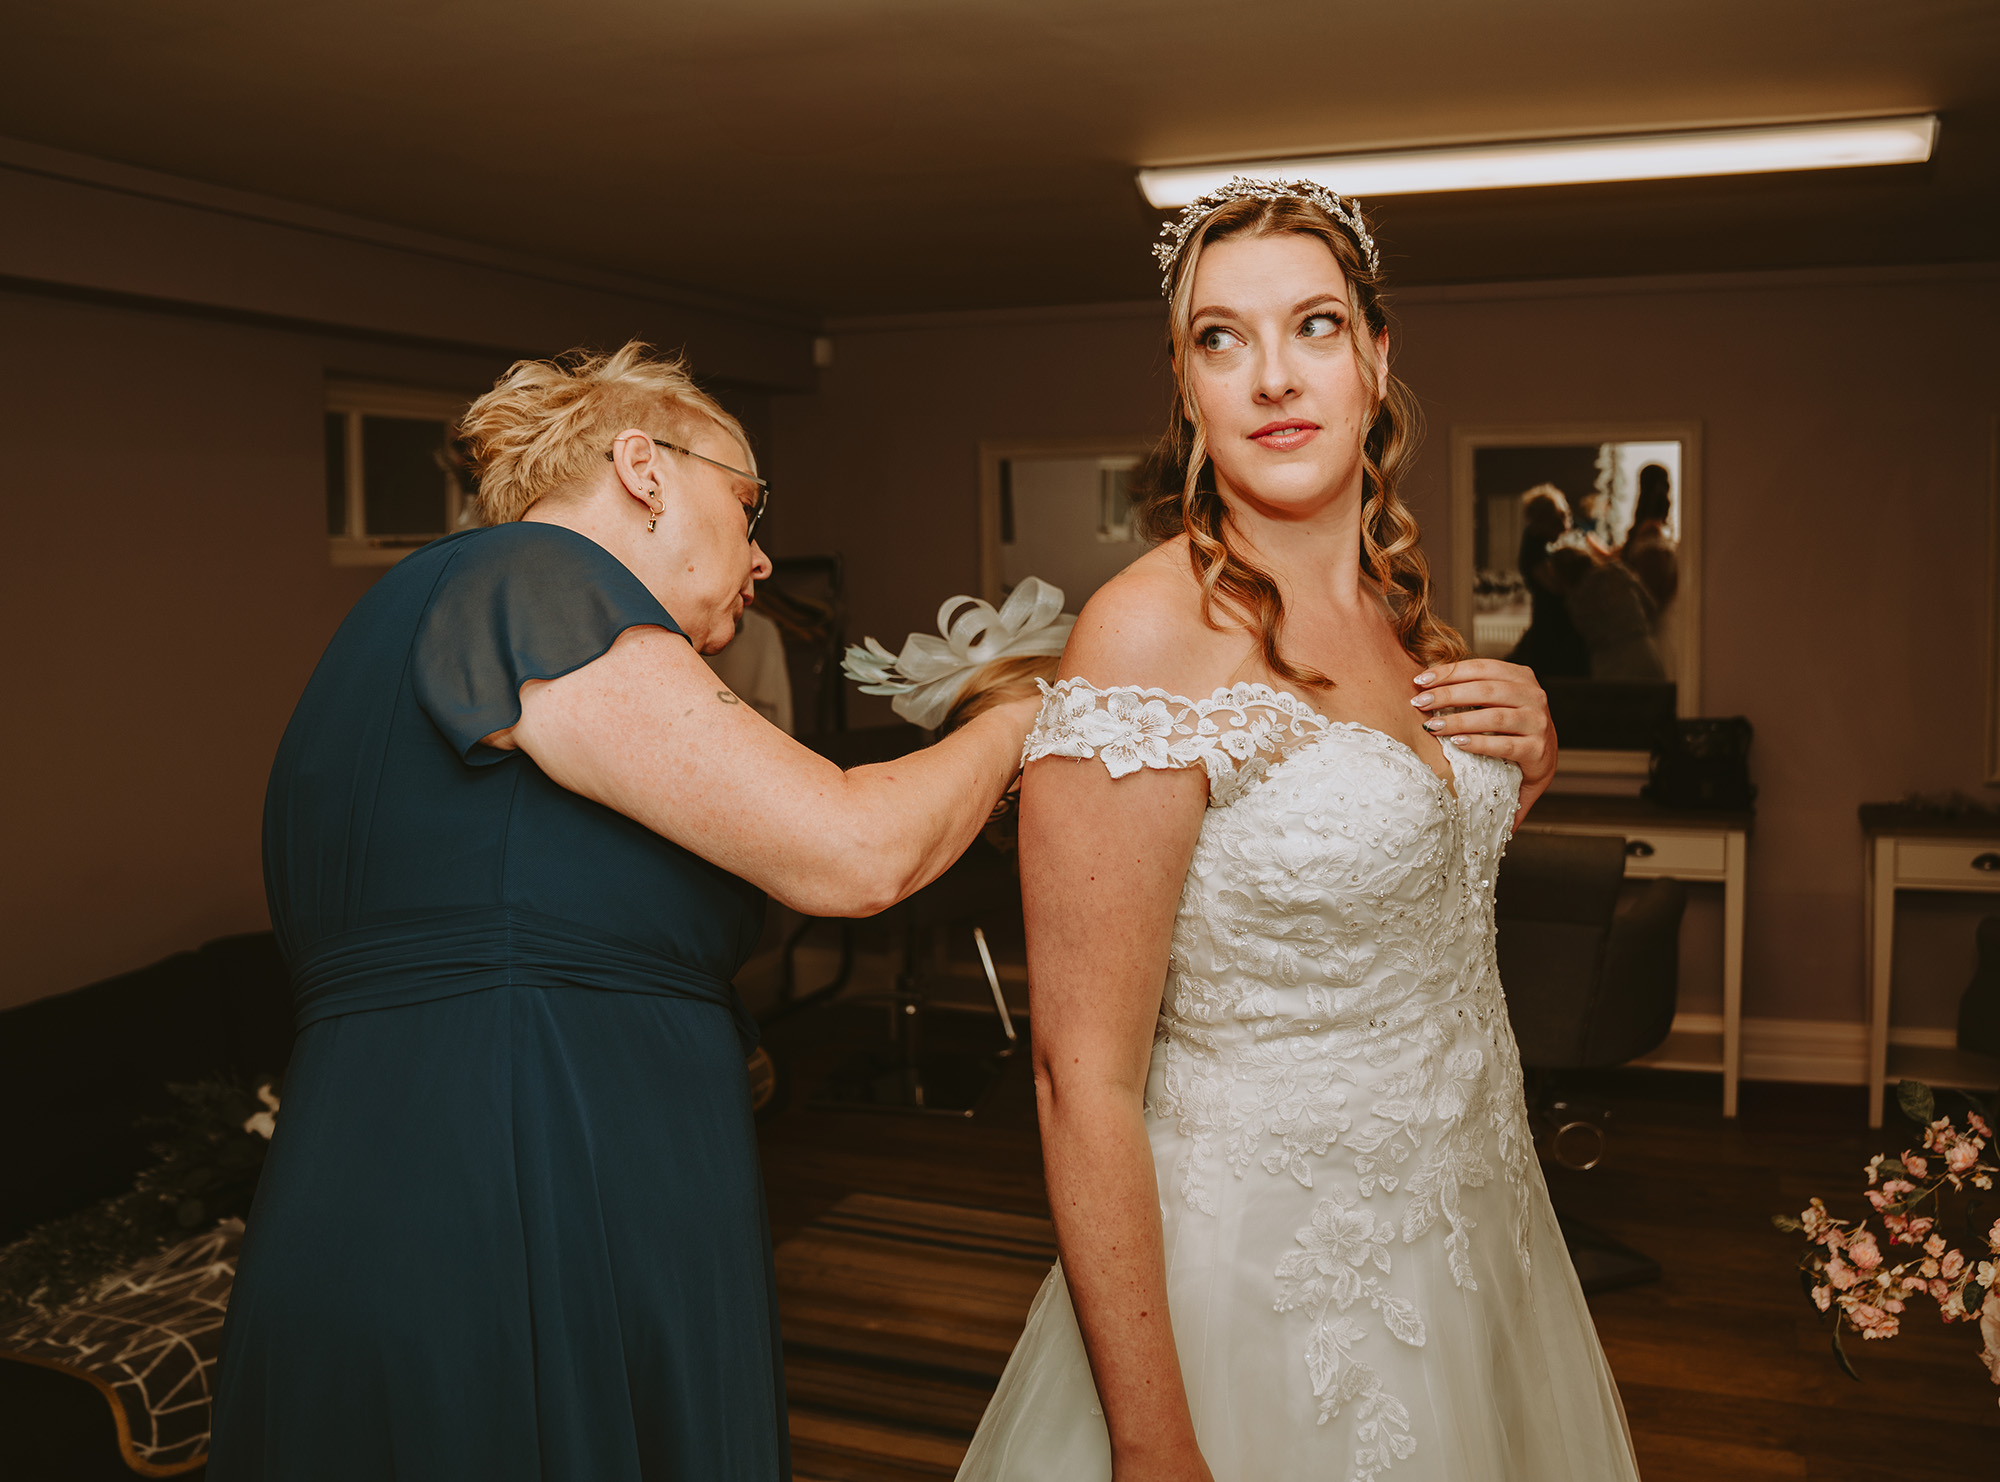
899 1315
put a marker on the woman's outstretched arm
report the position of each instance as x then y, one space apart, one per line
648 730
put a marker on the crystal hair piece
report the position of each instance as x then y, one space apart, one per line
1174 234
929 674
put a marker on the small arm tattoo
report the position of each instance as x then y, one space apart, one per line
726 698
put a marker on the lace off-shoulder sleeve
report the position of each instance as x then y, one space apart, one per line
1232 735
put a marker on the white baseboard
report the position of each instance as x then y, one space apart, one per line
1826 1052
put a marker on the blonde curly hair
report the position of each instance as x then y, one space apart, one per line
548 423
1174 490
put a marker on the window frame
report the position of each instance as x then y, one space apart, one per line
354 400
993 453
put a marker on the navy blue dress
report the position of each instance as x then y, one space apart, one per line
512 1224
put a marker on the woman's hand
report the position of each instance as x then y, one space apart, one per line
1508 717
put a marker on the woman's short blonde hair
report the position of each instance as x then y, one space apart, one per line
1545 504
548 423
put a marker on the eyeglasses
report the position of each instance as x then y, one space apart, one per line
756 511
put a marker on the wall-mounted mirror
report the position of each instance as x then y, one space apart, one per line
1576 551
1058 509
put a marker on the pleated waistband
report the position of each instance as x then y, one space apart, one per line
420 959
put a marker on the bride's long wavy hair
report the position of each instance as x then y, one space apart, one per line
1174 490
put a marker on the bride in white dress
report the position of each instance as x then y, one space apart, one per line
1303 1230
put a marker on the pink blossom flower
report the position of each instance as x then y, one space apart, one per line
1961 1158
1897 1187
1874 1171
1940 1290
1873 1321
1840 1273
1952 1264
1915 1165
1979 1124
1913 1283
1993 1235
1876 1197
1934 1246
1864 1252
1822 1297
1920 1226
1894 1304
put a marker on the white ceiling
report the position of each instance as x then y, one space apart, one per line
861 156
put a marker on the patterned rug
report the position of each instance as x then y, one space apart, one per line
147 1340
898 1317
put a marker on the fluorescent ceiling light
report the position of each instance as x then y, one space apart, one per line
1751 151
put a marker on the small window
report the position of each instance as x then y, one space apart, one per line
394 478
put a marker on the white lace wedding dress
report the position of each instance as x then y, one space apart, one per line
1364 1275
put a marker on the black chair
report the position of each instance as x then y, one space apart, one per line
1589 983
982 890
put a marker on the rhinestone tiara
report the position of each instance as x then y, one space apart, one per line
1174 234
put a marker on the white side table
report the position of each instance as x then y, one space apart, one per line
1909 850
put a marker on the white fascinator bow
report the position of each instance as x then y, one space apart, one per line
928 675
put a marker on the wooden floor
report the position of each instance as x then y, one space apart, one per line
1725 1370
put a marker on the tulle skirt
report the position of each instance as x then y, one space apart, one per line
1508 1384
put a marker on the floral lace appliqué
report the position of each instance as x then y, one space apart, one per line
1325 1277
1231 735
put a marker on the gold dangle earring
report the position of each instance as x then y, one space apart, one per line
656 513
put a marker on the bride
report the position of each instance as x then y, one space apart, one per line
1303 1231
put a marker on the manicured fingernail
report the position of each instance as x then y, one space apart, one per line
1424 678
1456 740
1433 723
1420 701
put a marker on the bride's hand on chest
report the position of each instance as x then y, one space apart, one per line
1499 710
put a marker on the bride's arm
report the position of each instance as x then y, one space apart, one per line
1102 867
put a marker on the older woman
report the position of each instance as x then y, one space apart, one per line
517 841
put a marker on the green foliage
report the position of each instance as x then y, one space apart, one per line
1918 1102
205 1167
1840 1353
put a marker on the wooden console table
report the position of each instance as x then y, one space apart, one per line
1664 842
1910 849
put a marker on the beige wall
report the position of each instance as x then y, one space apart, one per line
1847 424
165 588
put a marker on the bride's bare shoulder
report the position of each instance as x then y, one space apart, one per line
1145 627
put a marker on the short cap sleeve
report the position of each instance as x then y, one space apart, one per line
519 602
1231 735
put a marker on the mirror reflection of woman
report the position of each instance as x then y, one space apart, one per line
1303 1232
518 840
